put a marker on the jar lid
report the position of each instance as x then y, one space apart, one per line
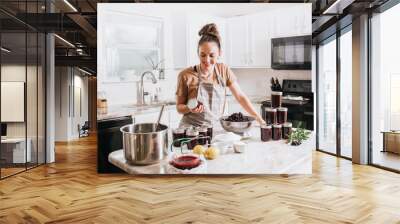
266 126
192 103
276 93
178 131
270 109
287 125
202 129
277 126
207 125
192 132
282 109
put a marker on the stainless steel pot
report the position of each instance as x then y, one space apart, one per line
143 144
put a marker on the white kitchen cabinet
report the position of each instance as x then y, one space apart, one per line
259 40
237 30
297 24
249 38
186 37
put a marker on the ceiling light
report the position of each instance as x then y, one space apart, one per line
64 40
84 71
70 5
5 50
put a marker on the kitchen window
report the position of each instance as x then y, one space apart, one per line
334 94
385 89
346 92
326 96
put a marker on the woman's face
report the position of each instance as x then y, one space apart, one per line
208 54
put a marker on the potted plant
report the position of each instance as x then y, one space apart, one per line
298 136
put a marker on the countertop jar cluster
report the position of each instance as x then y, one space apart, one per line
276 126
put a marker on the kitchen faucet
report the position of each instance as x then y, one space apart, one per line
141 89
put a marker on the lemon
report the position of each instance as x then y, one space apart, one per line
211 153
199 150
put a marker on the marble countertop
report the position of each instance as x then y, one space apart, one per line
273 157
115 111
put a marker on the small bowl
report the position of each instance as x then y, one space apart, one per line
239 147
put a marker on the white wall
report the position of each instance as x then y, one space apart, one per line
68 81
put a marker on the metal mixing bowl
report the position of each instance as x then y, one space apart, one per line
145 144
237 127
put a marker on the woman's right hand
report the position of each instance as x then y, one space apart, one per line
198 109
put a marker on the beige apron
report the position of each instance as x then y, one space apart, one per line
213 97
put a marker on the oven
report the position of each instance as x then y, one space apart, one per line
299 99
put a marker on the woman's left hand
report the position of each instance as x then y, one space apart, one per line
260 120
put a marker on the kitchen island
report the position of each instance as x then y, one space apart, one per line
273 157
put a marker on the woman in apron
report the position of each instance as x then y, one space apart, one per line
207 83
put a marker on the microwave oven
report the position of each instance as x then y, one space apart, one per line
291 53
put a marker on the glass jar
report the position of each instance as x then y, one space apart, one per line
192 103
276 99
270 115
287 130
192 133
202 133
282 115
266 133
277 132
178 133
209 133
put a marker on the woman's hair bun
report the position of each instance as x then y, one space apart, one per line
209 29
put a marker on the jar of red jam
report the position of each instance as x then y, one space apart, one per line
202 133
287 130
270 115
192 133
282 115
178 133
277 132
266 133
276 99
209 132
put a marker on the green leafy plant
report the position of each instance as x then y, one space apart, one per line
298 136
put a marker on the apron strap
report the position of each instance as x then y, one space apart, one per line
223 82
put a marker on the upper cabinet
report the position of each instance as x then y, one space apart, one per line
248 43
246 39
186 36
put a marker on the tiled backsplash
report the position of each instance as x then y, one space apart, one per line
253 81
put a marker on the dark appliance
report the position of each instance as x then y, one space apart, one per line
299 99
3 129
291 53
109 139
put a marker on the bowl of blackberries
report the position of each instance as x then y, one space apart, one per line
237 123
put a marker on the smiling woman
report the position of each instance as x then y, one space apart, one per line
207 82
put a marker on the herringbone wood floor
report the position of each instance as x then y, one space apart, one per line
70 191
